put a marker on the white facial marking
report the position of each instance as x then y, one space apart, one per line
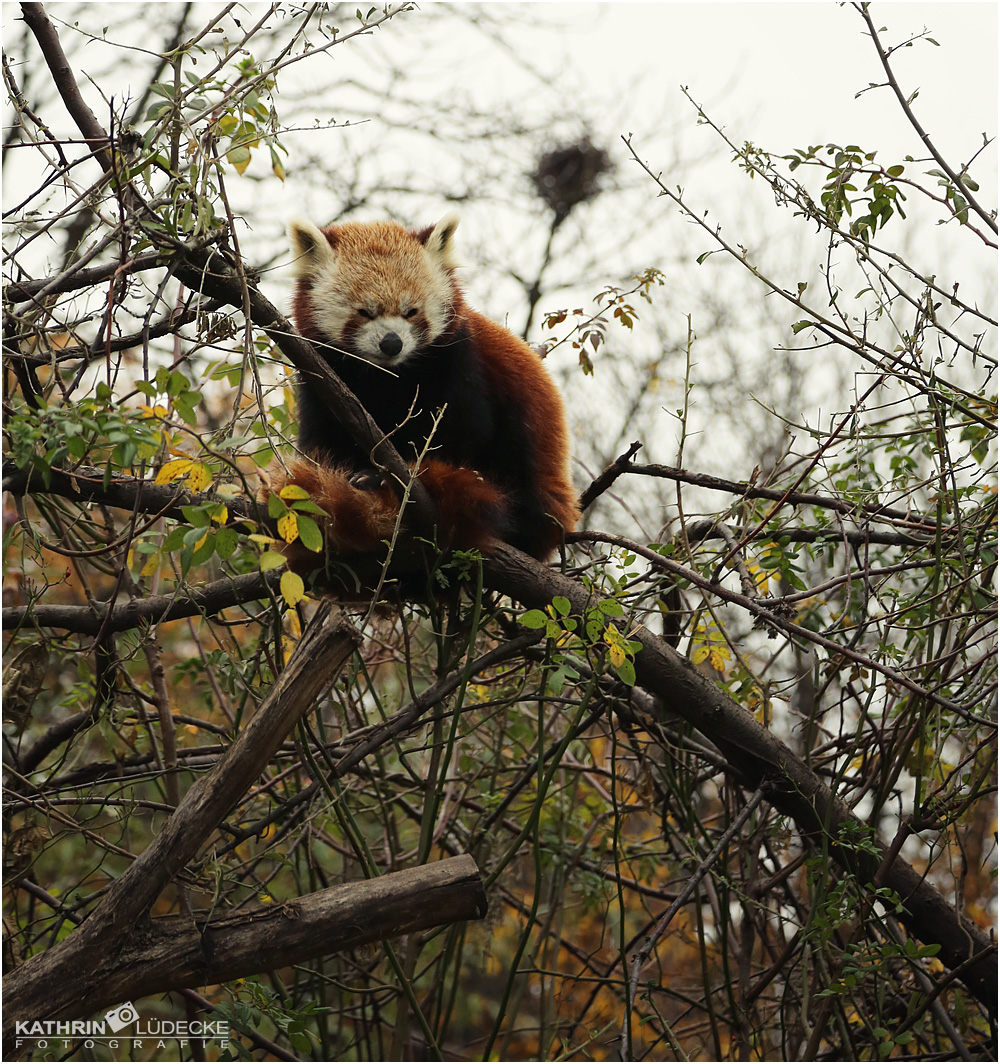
368 340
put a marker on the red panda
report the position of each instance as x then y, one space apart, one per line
464 401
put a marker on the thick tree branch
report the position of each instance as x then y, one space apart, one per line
87 484
184 602
622 464
176 952
72 279
65 82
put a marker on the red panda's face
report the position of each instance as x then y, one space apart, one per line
375 289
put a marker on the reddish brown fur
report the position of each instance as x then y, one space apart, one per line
515 369
467 505
359 520
356 522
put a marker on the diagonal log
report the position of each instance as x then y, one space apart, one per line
761 759
175 952
61 980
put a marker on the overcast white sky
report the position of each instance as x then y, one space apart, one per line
781 74
798 65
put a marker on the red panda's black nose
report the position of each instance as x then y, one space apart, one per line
390 345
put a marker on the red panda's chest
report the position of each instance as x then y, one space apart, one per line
440 403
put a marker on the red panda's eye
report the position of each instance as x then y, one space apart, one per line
366 314
411 313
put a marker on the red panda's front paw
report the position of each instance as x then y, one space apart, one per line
367 479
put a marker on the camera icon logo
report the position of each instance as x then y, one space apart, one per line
121 1016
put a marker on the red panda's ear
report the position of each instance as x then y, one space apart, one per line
311 249
438 240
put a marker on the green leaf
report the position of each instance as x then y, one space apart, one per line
239 158
161 107
561 605
307 506
532 619
309 533
626 673
205 551
798 326
197 516
175 539
271 559
226 542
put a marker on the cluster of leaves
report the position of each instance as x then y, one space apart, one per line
94 429
590 329
881 197
290 509
593 635
238 108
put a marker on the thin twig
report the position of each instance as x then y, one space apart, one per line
699 874
904 103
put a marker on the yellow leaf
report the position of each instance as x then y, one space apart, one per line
173 470
616 655
293 491
717 660
151 565
221 515
699 655
293 590
200 477
288 527
279 171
